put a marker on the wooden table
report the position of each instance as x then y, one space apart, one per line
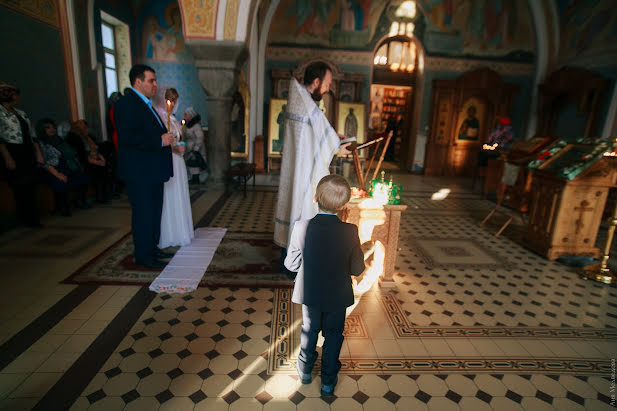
243 172
380 226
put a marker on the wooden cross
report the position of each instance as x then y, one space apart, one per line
583 207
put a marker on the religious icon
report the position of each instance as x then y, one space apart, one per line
351 121
351 124
470 126
276 129
346 92
377 97
471 120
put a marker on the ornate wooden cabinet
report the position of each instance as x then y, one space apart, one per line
571 85
565 215
451 148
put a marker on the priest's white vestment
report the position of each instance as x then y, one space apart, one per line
309 144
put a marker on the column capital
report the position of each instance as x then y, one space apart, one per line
218 65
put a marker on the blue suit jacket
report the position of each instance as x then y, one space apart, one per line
324 251
141 156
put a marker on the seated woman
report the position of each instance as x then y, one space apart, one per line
63 169
98 168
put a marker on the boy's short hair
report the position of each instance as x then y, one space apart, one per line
332 193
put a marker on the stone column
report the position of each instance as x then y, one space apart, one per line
218 64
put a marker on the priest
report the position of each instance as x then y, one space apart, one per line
310 145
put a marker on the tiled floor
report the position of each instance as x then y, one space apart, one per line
474 323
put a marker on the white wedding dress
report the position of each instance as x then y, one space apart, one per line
176 219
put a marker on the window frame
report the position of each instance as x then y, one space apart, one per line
113 52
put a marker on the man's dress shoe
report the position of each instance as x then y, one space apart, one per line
162 254
154 264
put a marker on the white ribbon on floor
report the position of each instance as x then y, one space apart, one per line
189 264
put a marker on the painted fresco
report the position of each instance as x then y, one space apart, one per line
161 33
588 28
162 47
340 23
200 18
477 27
480 28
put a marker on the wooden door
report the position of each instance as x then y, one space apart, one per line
438 145
407 146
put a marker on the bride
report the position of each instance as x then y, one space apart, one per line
176 220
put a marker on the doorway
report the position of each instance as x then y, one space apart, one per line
393 90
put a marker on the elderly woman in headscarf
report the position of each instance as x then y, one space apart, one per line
503 135
63 171
195 155
20 153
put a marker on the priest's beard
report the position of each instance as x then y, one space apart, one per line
316 95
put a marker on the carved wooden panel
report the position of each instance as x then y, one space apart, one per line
492 97
565 215
582 87
436 163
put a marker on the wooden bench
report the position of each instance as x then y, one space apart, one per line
242 173
44 198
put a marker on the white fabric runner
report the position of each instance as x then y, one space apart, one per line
187 267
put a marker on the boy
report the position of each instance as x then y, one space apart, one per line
324 251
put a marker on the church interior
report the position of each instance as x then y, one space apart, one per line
484 177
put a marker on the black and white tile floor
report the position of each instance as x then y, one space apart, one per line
474 323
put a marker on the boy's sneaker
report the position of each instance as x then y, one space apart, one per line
328 390
304 378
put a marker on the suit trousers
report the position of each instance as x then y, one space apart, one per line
146 200
331 324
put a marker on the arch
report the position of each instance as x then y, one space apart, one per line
70 11
261 63
539 18
298 73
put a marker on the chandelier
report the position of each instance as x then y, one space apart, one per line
398 52
398 55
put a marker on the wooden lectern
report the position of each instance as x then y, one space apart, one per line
566 206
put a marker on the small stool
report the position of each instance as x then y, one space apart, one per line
243 172
480 169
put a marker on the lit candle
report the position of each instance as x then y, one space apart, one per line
168 115
182 135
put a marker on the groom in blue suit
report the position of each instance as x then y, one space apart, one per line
144 163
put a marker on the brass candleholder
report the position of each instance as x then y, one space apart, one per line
600 271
